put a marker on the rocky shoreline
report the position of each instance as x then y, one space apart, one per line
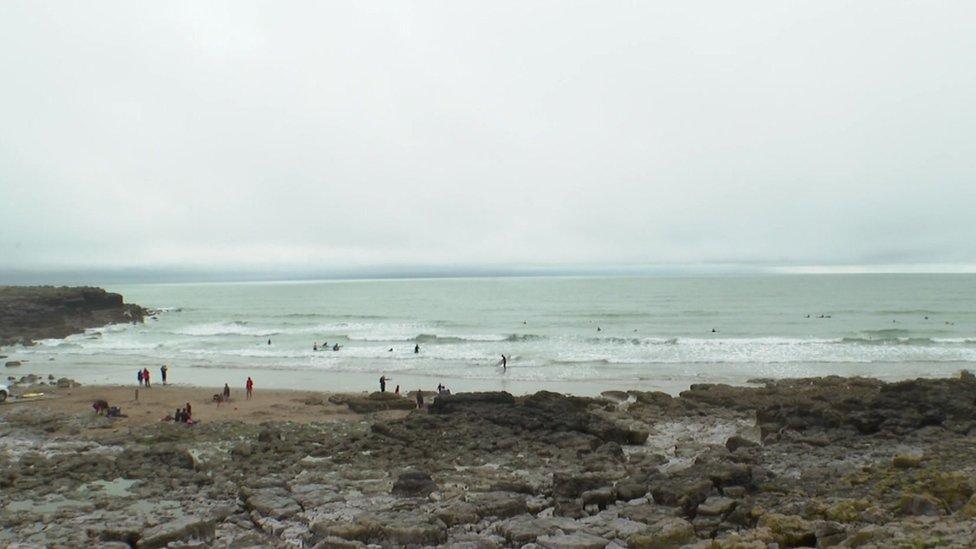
30 313
849 462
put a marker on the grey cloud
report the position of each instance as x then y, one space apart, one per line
346 135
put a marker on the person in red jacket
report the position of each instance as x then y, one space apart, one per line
249 386
145 377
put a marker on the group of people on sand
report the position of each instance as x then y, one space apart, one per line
182 415
142 376
185 414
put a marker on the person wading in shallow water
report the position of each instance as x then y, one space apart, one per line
249 387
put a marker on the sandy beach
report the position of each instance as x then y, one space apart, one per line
158 401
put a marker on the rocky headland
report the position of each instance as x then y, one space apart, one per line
30 313
846 462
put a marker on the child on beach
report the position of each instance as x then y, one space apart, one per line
139 377
249 387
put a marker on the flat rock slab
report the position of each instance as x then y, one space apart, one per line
716 506
181 529
579 540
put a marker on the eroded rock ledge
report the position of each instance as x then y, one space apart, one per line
29 313
814 462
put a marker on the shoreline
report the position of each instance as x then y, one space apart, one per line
677 379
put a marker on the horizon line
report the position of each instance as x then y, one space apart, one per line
69 275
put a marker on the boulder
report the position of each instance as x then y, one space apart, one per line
716 506
374 402
667 533
65 383
180 529
906 462
446 404
736 442
498 504
789 530
684 492
629 490
414 484
523 529
273 502
454 513
572 485
601 497
921 504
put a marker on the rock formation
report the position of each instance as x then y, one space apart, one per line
816 462
29 313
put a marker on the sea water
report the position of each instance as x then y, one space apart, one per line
579 335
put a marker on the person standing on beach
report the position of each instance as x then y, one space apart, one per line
139 377
227 392
382 384
162 372
420 399
249 387
145 377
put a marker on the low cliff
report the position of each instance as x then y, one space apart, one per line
29 313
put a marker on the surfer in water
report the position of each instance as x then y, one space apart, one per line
504 363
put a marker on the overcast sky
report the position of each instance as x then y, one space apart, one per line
352 134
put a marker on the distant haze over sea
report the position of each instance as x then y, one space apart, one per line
77 276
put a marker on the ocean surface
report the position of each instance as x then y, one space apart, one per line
580 335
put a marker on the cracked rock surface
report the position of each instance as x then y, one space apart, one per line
846 462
